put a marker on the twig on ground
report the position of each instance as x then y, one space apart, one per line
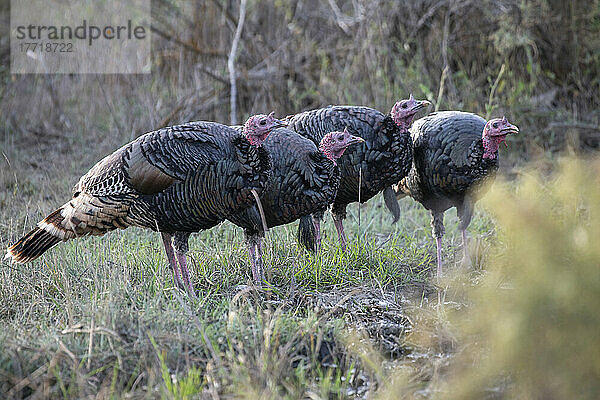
68 352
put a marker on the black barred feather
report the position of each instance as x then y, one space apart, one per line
183 178
307 233
380 162
448 159
389 197
303 182
448 168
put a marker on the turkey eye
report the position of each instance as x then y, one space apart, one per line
263 122
340 138
495 125
404 105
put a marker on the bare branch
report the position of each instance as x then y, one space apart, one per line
231 62
228 17
188 46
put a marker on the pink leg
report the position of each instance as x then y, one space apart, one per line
185 273
168 243
438 242
317 225
339 225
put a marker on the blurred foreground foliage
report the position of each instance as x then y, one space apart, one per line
533 325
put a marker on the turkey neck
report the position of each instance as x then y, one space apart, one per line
249 135
490 147
403 124
331 154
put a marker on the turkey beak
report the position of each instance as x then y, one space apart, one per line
510 128
421 104
279 124
513 129
354 140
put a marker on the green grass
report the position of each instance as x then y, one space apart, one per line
100 316
334 325
149 339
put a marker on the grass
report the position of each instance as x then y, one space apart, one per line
119 285
532 328
100 315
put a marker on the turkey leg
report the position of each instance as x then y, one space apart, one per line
339 225
181 248
259 264
168 243
317 225
465 246
252 257
465 213
254 253
185 273
438 243
437 225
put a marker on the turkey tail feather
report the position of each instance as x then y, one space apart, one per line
391 202
48 234
81 216
32 245
307 233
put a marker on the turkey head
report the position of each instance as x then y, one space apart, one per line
258 127
335 143
494 133
404 111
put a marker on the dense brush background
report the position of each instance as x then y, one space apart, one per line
99 317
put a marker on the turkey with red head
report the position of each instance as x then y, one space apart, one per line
303 182
373 166
455 155
175 180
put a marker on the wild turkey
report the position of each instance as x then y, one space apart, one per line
455 154
304 181
175 180
383 159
